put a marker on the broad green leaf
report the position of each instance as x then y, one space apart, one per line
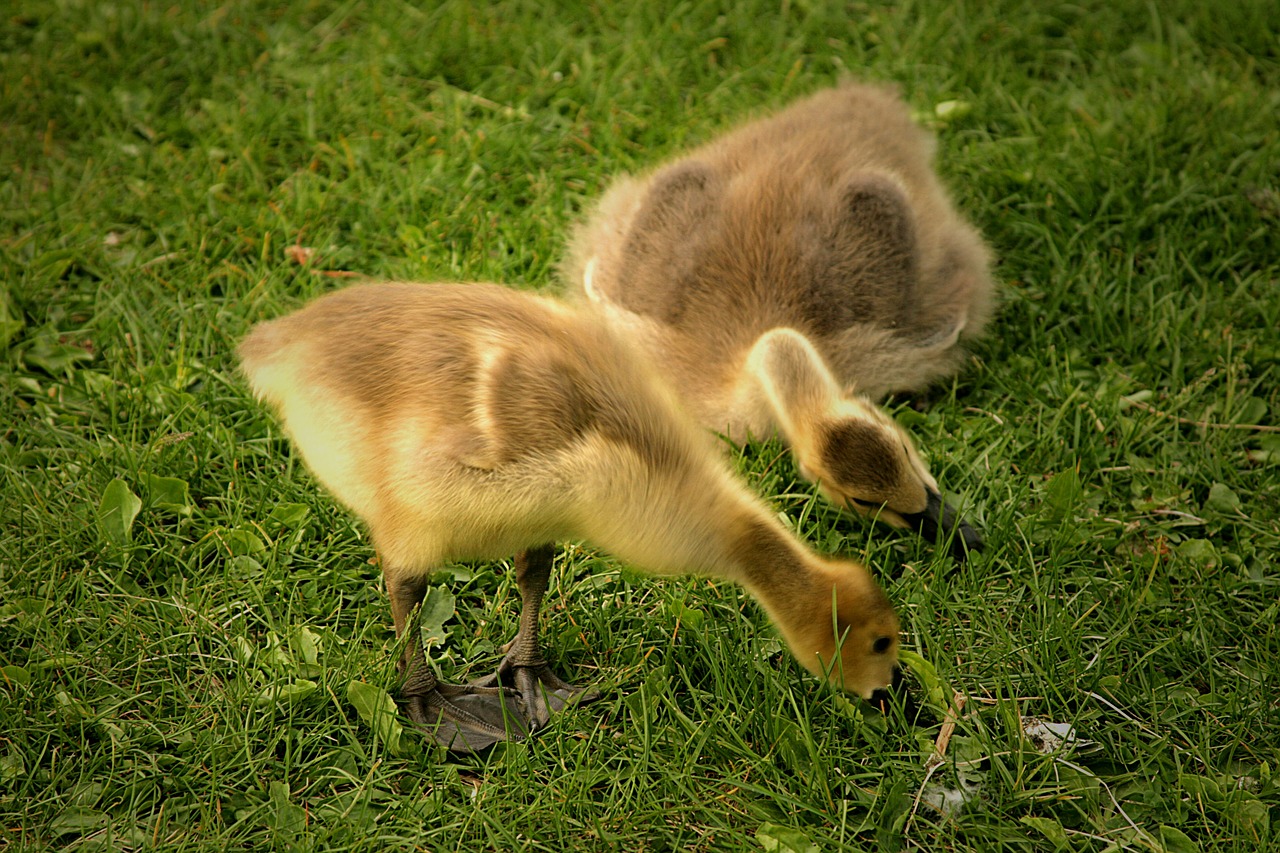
790 744
1127 402
851 710
1151 54
1174 840
948 110
412 237
1063 493
1252 410
12 766
70 709
15 674
777 838
1201 788
1249 813
910 417
690 616
1050 829
53 265
378 711
453 572
643 703
241 568
1200 552
305 644
77 820
288 515
437 609
967 749
112 730
288 694
116 512
10 318
241 543
351 811
243 650
290 819
929 680
1079 784
168 493
86 792
277 655
54 357
1222 500
896 798
61 660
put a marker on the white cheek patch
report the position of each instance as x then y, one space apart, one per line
588 283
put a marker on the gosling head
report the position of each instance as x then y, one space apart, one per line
850 637
862 459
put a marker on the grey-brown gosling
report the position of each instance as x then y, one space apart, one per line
474 422
790 272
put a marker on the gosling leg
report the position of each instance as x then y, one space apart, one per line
523 666
462 718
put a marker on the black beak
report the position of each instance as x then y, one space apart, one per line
940 522
898 693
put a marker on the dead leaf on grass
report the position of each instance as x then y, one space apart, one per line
299 254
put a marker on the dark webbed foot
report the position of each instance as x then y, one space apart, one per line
459 717
541 691
463 718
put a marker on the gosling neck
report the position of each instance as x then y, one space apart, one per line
789 376
768 560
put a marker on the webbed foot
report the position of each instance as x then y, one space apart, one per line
463 718
541 691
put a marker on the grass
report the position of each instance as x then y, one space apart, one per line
179 678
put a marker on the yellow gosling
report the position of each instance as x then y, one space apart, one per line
789 273
475 422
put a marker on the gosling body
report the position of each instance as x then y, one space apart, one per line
476 422
790 273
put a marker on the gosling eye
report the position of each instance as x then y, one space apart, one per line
864 504
882 645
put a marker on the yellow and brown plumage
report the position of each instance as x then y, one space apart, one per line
476 422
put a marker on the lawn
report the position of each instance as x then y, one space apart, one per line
194 644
